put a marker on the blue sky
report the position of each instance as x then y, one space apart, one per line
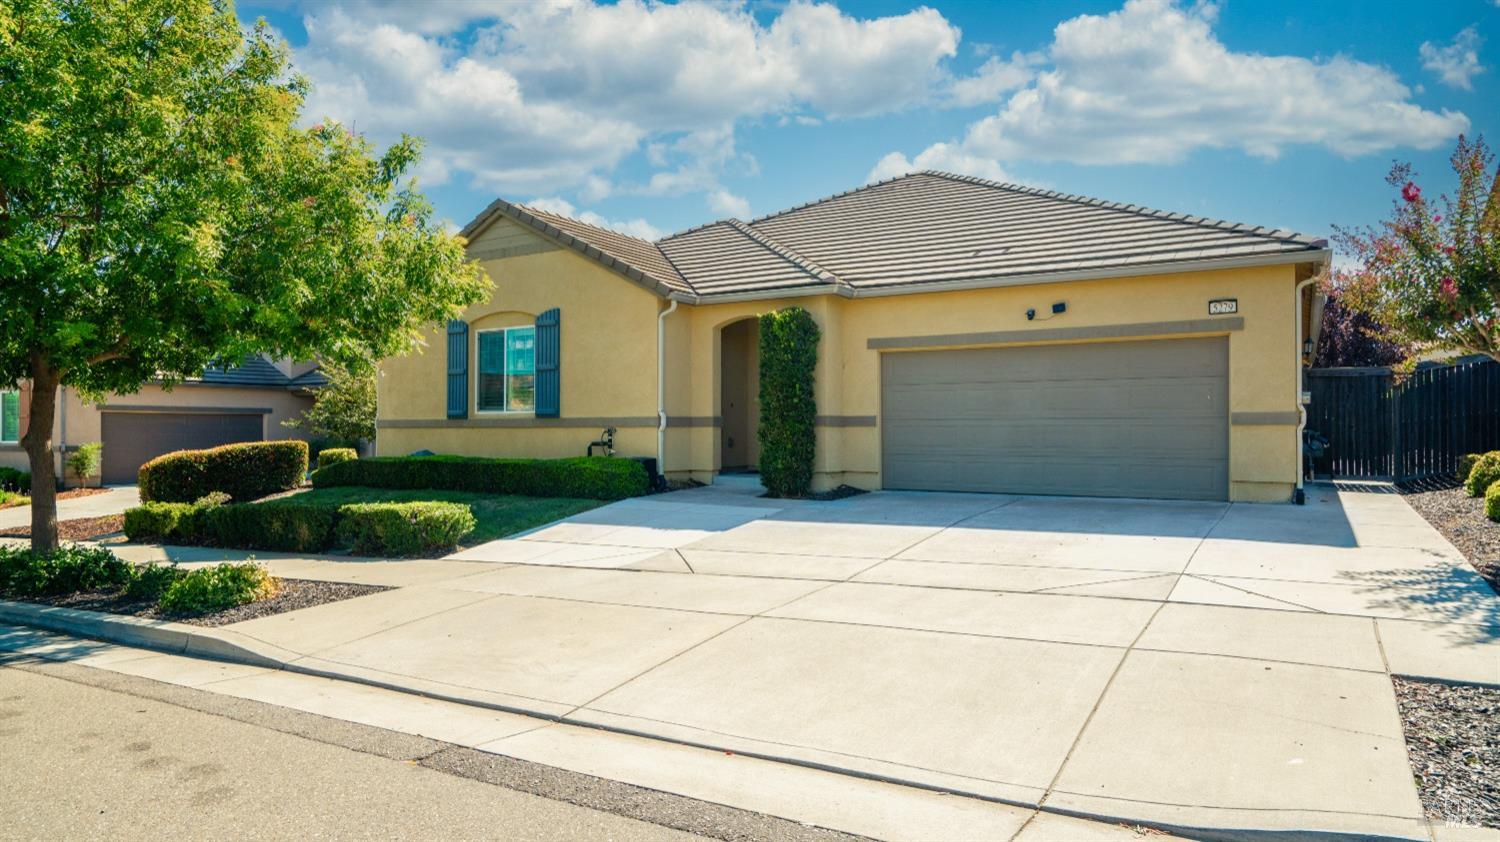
653 118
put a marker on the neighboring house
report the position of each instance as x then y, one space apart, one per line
245 402
976 336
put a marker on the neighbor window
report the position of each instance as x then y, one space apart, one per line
10 416
507 370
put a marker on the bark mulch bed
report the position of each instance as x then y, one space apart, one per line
77 529
293 595
1461 520
1453 740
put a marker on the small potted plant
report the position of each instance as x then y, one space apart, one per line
85 461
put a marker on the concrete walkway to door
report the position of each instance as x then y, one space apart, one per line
1199 665
114 501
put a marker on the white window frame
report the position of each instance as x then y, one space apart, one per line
504 366
17 439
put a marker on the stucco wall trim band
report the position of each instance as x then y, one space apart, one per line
460 423
1264 419
186 410
1059 334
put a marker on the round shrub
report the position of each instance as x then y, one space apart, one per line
404 529
335 455
216 588
12 479
1485 472
243 471
153 580
1492 502
788 411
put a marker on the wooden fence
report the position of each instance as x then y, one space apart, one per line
1379 429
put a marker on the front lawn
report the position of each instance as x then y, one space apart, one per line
496 515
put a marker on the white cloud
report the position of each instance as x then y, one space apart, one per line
1151 83
939 156
1456 64
994 78
562 207
537 97
725 203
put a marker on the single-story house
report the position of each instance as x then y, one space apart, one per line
976 336
227 404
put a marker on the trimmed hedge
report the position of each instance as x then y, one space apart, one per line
1492 502
335 455
1485 472
283 527
12 479
594 477
64 570
404 529
243 471
788 411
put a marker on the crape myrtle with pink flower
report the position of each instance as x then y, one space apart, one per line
1430 274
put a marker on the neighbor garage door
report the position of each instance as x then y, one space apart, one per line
131 438
1115 419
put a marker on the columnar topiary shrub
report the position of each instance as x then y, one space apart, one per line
1485 473
243 471
788 358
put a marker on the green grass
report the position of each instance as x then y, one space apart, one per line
497 515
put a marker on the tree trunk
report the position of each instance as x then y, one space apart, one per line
38 444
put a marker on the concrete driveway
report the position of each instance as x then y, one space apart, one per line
112 502
1202 665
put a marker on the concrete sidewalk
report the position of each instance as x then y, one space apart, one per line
1213 667
114 501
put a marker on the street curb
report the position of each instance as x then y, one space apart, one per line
157 635
225 645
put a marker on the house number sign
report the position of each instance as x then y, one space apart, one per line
1223 306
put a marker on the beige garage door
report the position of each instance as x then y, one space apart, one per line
1115 419
134 438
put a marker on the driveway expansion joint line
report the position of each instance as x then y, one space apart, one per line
1253 593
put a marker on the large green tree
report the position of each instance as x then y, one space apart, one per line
161 209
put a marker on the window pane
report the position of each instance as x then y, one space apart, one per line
10 416
522 392
520 350
492 352
491 390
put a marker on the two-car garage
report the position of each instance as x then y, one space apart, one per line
133 437
1115 419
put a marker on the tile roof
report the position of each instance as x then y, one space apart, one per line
926 228
253 370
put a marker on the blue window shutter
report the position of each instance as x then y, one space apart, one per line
549 364
458 369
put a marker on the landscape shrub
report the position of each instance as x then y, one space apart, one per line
243 471
86 460
594 477
404 529
217 588
12 479
64 570
153 580
1466 464
284 527
335 455
172 523
1492 502
788 411
13 498
1485 472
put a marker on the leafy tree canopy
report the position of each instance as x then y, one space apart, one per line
162 208
345 409
1431 272
1351 338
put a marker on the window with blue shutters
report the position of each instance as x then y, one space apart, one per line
506 379
458 369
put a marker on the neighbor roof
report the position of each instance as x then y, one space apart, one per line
919 231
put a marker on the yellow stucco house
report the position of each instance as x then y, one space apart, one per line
976 336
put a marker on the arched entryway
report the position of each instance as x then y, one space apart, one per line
739 395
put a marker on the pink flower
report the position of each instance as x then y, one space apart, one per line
1449 289
319 128
1411 192
1449 250
1437 219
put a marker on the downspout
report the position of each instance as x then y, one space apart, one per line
1299 496
62 436
661 390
